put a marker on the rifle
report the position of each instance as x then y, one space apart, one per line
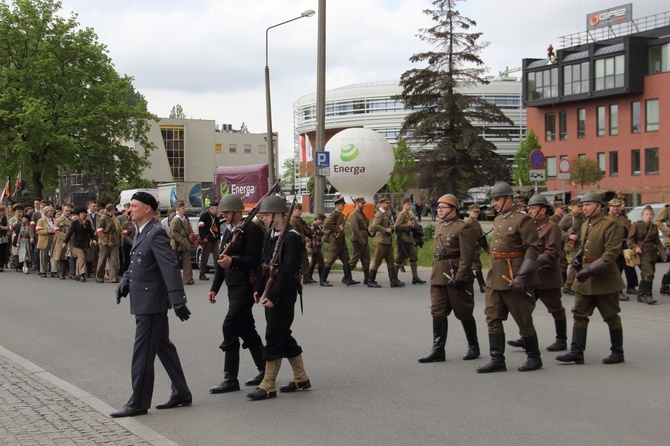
239 230
276 258
482 241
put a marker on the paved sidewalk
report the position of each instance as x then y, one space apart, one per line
38 408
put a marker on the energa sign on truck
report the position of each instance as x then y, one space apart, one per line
250 183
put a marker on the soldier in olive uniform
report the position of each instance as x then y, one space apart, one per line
616 206
473 220
643 238
359 239
571 225
317 242
108 239
454 247
511 279
549 288
383 240
306 233
128 230
559 212
598 281
337 245
404 228
662 221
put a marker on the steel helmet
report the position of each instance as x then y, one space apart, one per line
538 199
501 189
592 196
273 204
230 203
449 199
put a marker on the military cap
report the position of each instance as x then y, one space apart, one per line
406 200
339 201
449 199
501 189
474 207
359 199
384 200
614 202
539 200
272 204
146 198
559 204
110 207
592 196
575 202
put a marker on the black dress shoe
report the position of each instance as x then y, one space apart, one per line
225 387
293 386
261 394
174 402
128 411
256 380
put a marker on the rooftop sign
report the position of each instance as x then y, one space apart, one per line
609 17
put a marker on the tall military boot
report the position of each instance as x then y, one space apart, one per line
470 329
647 292
323 279
480 281
516 343
307 279
560 343
576 353
533 362
665 285
372 280
616 337
348 279
300 380
497 349
415 275
257 355
267 388
366 275
231 365
640 292
437 354
393 277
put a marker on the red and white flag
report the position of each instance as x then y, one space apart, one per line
308 149
5 192
520 183
303 155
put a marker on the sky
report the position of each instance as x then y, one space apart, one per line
209 55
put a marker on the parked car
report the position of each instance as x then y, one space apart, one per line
635 214
196 249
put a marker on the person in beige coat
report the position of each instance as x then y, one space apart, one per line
662 220
45 229
60 253
643 239
180 236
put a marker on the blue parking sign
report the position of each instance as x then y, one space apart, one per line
321 159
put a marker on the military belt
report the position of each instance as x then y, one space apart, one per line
590 259
447 256
507 255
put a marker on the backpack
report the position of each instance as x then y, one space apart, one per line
417 233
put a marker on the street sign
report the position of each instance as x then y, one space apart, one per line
538 175
323 171
321 159
564 169
537 159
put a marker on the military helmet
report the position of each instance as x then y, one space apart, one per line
449 199
501 189
538 199
273 204
592 196
230 203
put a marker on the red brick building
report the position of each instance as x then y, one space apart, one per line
607 100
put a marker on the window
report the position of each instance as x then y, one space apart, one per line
563 125
173 141
601 161
635 117
261 149
581 156
614 120
247 148
635 162
651 161
218 148
651 115
576 78
551 167
609 73
550 127
659 59
232 148
600 120
542 84
614 164
581 123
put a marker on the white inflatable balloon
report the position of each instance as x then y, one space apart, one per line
361 162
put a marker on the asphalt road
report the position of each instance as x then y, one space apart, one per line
361 347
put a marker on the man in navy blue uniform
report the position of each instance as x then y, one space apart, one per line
153 280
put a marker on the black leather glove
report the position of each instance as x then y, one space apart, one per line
597 268
182 312
584 275
527 268
121 291
459 284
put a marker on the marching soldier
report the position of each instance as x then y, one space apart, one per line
549 288
598 281
559 212
180 241
473 221
306 233
317 242
208 230
359 239
337 245
404 227
571 225
616 206
128 230
108 239
382 232
454 247
643 238
511 280
662 220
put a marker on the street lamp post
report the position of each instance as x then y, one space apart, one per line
268 107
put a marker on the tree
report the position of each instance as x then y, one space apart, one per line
288 173
522 157
403 175
585 172
450 148
177 112
63 107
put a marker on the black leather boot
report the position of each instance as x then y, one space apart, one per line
393 277
533 362
497 350
348 279
665 285
480 281
416 280
647 292
561 342
616 337
470 329
231 365
323 279
257 355
518 343
366 275
576 353
641 295
372 280
439 341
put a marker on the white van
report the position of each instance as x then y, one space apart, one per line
127 194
